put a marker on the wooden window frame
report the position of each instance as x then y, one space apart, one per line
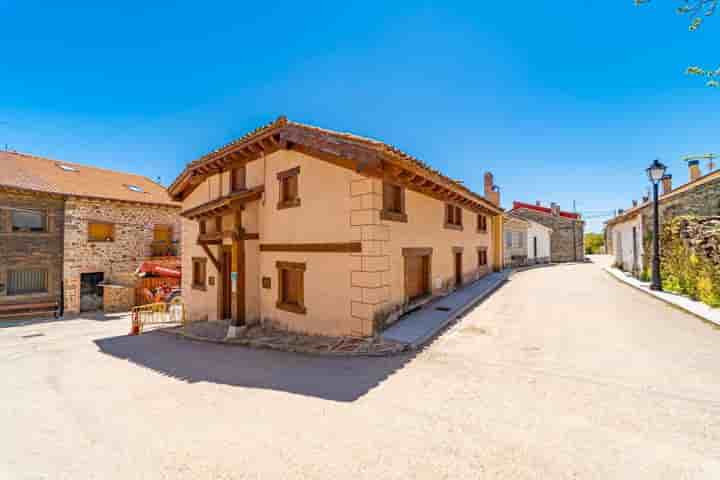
281 304
482 257
219 224
282 178
43 214
201 261
399 215
101 222
482 220
10 293
234 172
202 227
453 217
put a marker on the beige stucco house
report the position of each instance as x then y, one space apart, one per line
322 232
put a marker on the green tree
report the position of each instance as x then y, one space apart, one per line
594 243
697 11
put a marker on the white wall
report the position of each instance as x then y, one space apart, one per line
543 235
622 238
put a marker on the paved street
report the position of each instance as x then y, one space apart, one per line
562 373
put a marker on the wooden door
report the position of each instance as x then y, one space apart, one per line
416 276
458 268
226 290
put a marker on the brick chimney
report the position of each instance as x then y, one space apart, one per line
634 203
694 166
666 184
555 208
492 193
645 199
537 203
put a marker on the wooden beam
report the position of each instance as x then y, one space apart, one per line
211 257
349 247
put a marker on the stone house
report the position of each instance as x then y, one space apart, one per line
568 229
628 235
317 231
72 235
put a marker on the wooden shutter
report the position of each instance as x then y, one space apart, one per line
100 232
387 197
162 233
237 179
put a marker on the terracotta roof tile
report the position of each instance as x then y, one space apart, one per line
28 172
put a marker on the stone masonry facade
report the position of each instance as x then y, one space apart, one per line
31 251
133 225
566 240
701 201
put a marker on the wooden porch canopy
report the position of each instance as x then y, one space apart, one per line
370 157
224 205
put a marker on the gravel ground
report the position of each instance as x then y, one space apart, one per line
563 373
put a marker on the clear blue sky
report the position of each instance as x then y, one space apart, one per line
563 101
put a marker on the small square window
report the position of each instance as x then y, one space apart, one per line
289 195
237 179
482 223
291 287
453 217
101 232
393 203
482 257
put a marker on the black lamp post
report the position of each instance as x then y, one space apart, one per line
655 173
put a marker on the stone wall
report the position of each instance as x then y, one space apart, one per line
31 250
133 235
567 238
701 201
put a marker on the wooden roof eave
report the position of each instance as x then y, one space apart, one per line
223 205
419 179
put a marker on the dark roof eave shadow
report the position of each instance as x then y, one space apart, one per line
342 379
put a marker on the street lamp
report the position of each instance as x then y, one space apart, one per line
655 173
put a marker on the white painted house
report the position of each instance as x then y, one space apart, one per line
526 242
538 243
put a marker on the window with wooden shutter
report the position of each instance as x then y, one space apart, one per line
482 257
162 233
289 194
453 217
237 179
199 273
393 203
291 287
22 282
101 232
481 223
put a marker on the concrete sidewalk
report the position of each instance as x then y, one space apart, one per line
416 328
694 307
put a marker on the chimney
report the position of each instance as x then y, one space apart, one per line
492 192
620 211
645 199
666 184
555 208
634 203
694 166
537 203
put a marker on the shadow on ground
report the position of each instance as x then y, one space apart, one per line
342 379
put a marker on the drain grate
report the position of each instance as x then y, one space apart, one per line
443 309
